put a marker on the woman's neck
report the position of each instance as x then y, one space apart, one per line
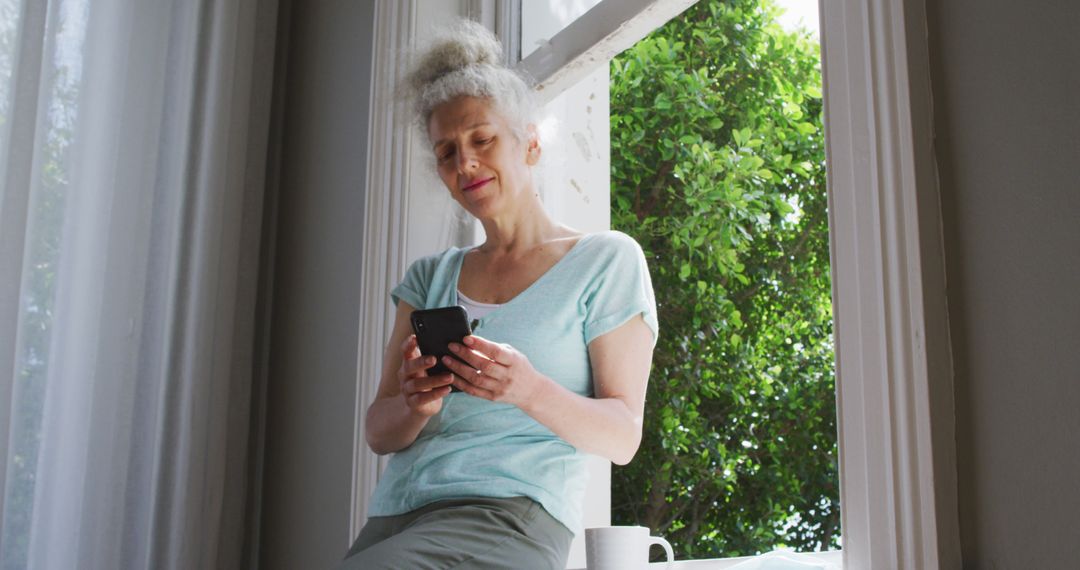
521 230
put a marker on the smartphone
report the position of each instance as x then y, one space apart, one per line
435 329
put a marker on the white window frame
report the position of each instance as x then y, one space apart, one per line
898 496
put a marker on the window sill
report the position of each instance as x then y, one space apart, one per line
834 557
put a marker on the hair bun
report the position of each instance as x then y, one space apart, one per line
464 44
465 59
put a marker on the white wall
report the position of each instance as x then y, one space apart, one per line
314 326
575 187
575 177
1006 78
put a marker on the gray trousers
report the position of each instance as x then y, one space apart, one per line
463 534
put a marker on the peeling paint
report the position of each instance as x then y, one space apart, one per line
584 196
583 144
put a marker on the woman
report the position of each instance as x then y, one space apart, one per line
493 476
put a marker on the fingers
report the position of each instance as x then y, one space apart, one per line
473 390
423 394
480 375
421 399
410 349
476 377
475 358
425 384
465 369
498 352
412 361
416 365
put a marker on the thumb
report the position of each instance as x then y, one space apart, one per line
411 348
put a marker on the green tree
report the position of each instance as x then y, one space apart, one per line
718 170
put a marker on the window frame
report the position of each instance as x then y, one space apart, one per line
894 365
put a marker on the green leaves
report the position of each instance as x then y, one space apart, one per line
718 172
684 271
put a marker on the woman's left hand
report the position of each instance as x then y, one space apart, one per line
496 372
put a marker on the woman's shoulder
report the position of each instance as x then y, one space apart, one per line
444 255
431 263
612 241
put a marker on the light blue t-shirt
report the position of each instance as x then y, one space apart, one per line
477 448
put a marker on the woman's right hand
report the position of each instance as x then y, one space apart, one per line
423 394
407 396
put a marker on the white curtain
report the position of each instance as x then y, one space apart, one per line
133 143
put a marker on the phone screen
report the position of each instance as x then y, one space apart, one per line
435 329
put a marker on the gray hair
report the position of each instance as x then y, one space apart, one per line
465 59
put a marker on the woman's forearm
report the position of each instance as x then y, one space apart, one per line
608 425
391 425
601 426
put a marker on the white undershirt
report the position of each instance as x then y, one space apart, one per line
475 309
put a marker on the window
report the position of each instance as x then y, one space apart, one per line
718 170
893 369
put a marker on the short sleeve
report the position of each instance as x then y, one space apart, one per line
416 284
621 289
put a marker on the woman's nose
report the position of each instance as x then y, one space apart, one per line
466 161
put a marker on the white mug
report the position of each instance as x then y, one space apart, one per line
621 548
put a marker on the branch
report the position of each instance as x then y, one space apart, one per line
656 189
657 505
781 263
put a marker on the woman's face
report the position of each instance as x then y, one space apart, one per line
480 159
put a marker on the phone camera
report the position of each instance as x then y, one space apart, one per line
419 325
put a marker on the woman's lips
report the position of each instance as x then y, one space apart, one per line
477 184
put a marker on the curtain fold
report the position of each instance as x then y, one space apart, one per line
133 144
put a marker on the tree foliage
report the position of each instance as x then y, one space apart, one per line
718 170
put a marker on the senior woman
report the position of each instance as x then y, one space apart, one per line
493 475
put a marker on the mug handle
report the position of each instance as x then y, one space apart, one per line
667 549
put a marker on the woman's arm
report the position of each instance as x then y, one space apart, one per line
407 396
608 425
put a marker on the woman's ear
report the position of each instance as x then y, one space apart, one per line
532 141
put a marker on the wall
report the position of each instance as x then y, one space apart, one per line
1006 78
314 329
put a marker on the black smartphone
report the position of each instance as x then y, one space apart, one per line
435 329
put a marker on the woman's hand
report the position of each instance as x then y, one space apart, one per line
607 424
408 396
423 394
495 372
